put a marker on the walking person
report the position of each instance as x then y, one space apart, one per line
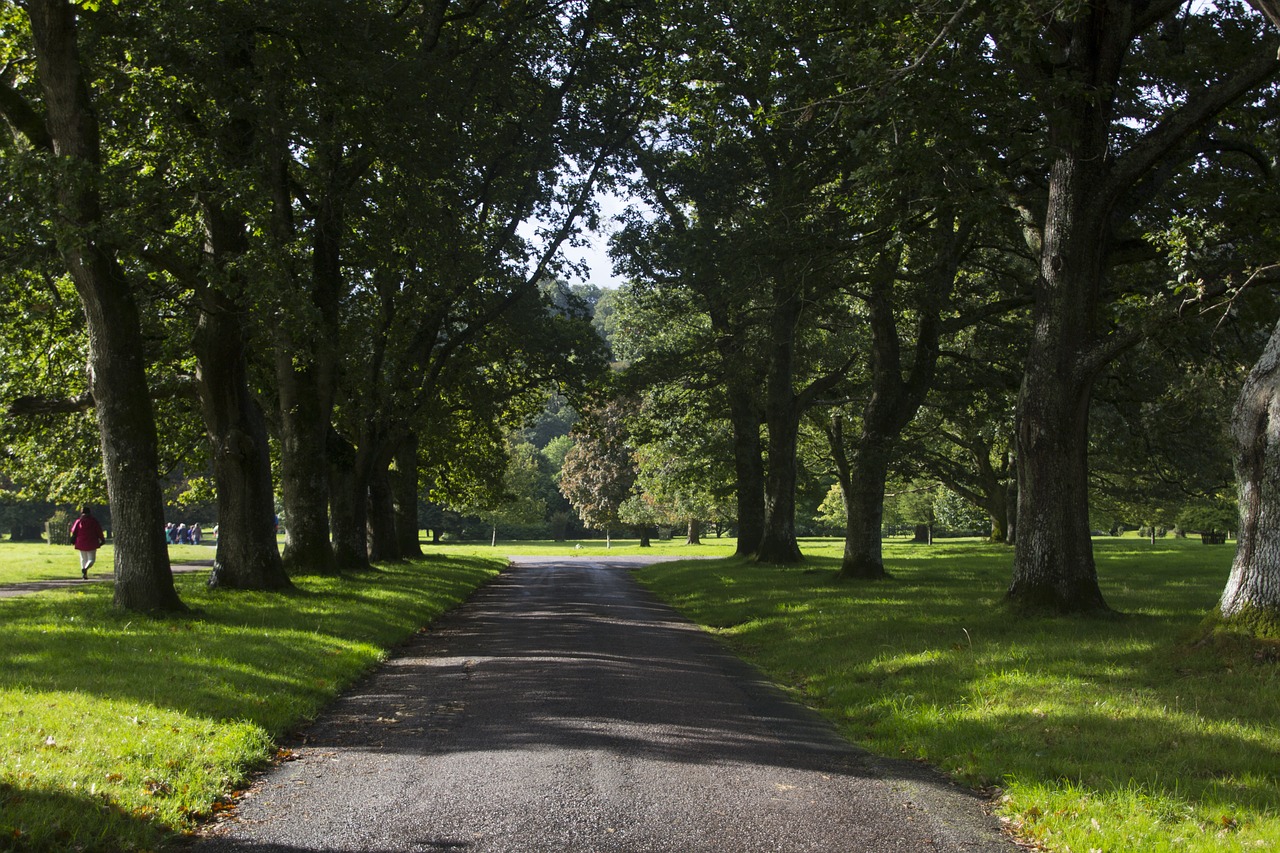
87 537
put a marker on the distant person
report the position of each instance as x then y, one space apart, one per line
196 533
87 537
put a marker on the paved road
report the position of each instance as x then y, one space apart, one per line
564 709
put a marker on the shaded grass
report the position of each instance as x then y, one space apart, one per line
1125 733
118 730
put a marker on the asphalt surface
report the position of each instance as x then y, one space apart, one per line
565 709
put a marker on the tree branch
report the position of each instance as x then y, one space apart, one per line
1182 122
23 117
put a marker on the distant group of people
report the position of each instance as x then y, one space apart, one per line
183 534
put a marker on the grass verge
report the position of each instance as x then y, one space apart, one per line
1119 734
118 731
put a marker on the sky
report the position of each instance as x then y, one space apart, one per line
596 253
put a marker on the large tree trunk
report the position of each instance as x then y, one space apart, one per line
404 484
247 555
304 475
117 374
382 517
779 543
1053 558
862 483
1252 594
348 500
782 417
693 536
748 466
1091 182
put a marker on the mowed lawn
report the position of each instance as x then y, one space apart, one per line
119 731
1132 733
36 561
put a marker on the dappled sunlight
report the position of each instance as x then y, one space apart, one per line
151 720
929 665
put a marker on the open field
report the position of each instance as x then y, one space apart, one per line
118 729
35 561
1112 734
710 547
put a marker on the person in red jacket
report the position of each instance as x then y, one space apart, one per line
87 537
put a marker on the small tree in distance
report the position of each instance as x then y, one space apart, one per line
599 471
517 502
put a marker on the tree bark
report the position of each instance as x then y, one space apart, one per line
1252 594
894 398
782 417
694 535
117 373
748 466
247 556
862 482
404 483
1053 558
348 501
304 475
382 517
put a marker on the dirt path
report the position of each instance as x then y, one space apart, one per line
564 709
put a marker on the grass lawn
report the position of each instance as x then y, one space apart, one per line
35 561
710 547
1102 734
118 730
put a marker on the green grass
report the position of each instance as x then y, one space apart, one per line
710 547
1107 734
34 561
117 731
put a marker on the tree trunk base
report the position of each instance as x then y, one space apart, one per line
779 553
861 569
1080 597
266 578
309 561
1259 622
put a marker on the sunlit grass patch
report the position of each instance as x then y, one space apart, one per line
117 729
21 562
579 548
1166 743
